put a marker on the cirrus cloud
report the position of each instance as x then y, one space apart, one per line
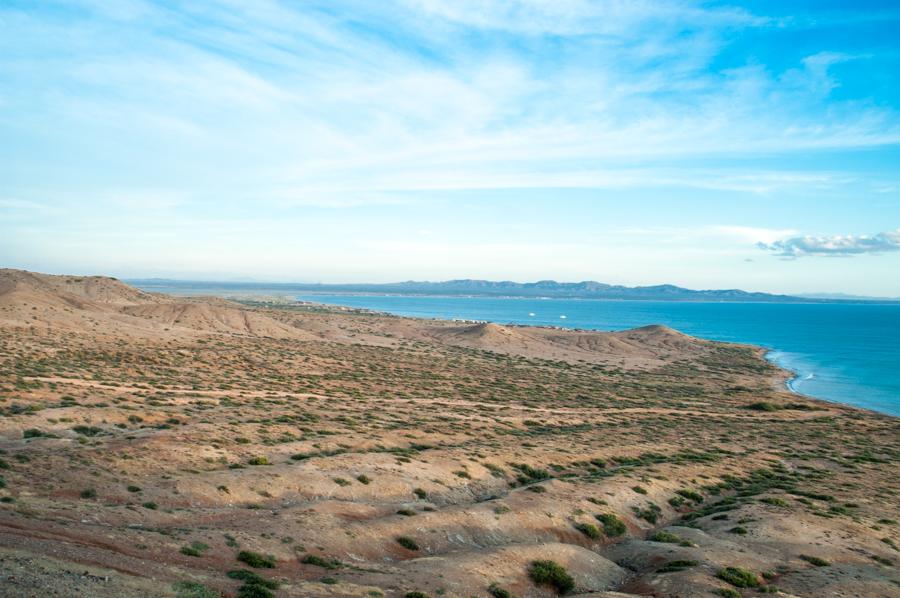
834 245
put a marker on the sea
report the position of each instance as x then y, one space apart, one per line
845 352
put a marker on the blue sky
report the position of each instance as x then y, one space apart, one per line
707 144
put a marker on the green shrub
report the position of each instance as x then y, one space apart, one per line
254 559
420 493
588 529
407 543
195 549
406 512
679 565
639 489
738 577
312 559
692 495
254 586
739 530
497 592
416 595
190 589
88 493
133 488
612 525
253 578
364 479
259 461
150 505
87 430
763 406
814 560
666 537
551 574
649 513
728 593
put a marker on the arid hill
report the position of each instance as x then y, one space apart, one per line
96 304
162 446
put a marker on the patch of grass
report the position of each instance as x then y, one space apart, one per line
727 593
738 577
254 559
551 573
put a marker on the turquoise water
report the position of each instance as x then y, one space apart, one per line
844 352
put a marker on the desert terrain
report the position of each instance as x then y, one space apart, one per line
161 446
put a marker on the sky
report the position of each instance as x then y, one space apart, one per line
750 145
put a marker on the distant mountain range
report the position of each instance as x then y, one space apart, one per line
486 288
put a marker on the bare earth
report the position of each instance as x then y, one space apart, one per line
160 446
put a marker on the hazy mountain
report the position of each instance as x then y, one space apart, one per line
588 289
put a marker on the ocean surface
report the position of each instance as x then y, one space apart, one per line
843 352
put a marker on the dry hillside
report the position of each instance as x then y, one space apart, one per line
159 446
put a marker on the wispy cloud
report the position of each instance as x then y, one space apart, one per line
341 94
835 246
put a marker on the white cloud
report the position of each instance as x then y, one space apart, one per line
835 245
